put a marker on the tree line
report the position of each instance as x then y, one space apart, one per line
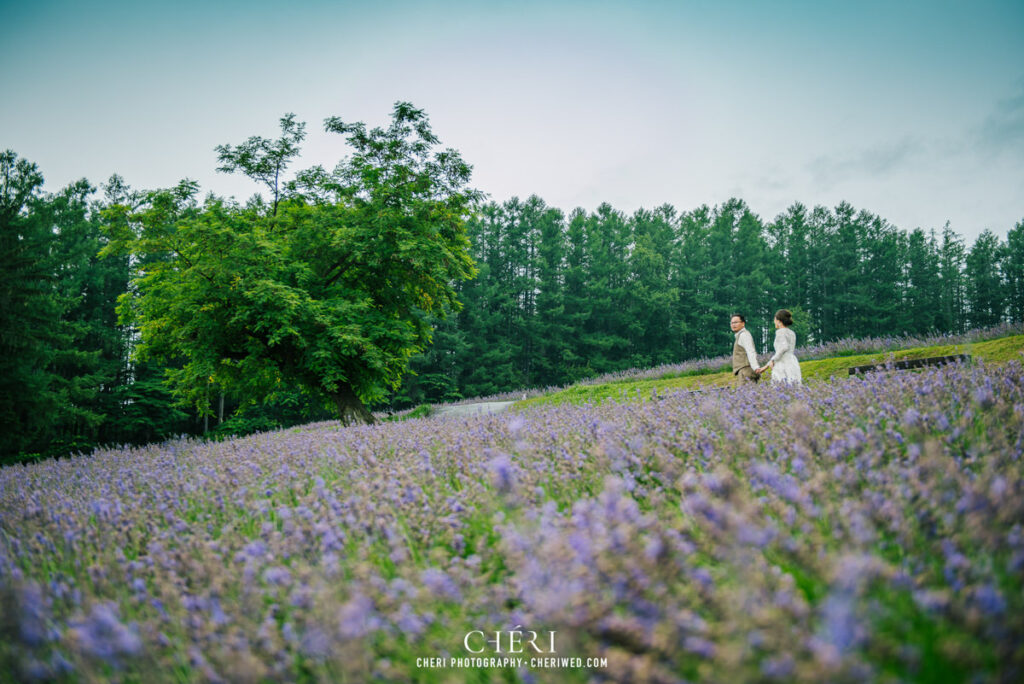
563 297
131 316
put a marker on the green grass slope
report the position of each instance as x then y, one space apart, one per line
999 350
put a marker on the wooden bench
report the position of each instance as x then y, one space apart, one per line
912 363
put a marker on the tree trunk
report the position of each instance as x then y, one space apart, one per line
351 410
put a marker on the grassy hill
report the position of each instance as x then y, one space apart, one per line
990 351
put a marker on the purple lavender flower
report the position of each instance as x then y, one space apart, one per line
356 617
316 644
501 471
409 622
989 600
277 575
699 646
632 521
33 614
754 535
102 635
780 667
702 576
985 396
256 549
911 418
840 626
439 583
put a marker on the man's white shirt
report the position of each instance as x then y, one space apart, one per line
746 340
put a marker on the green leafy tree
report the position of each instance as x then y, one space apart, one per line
266 161
331 296
145 409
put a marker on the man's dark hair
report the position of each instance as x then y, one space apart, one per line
739 316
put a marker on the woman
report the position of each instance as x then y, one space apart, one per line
784 364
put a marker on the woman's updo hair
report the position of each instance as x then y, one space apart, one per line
785 316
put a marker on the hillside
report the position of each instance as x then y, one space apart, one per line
990 351
864 530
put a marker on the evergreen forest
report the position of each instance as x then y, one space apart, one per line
559 298
556 297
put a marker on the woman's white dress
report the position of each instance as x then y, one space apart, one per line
786 368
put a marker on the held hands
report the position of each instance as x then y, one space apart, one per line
762 369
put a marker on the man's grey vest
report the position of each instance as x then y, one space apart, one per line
739 357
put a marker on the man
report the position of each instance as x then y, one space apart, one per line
744 356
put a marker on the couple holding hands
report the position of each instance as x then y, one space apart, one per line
784 364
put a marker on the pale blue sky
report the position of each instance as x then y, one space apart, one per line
912 110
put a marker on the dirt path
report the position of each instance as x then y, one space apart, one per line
483 407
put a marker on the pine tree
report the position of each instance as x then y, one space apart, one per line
553 330
30 310
487 301
880 282
922 299
791 258
605 336
822 280
1013 272
753 286
984 281
952 308
91 359
576 298
653 328
699 311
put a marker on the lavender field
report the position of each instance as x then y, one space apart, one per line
869 529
